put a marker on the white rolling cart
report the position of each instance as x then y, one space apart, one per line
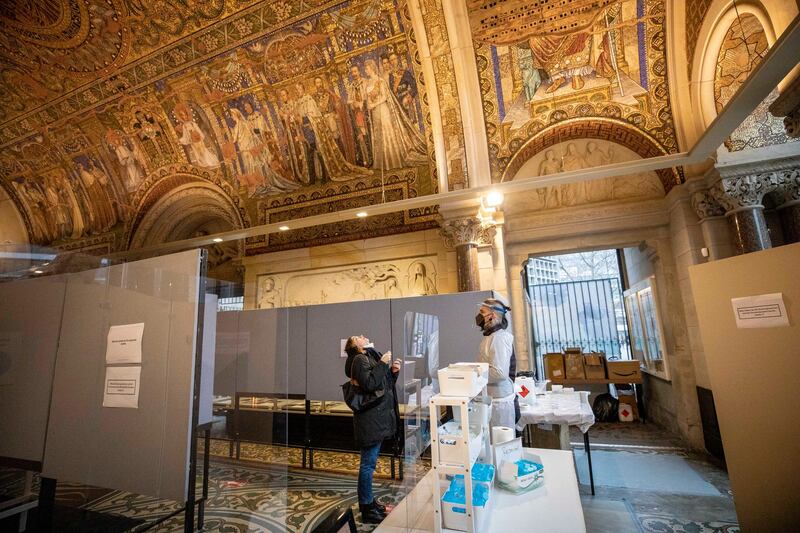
455 452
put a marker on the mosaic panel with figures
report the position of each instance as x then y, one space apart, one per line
540 71
328 105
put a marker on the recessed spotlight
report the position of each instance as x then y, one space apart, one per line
494 199
217 239
361 214
284 228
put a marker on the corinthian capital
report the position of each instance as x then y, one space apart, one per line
744 191
467 230
705 205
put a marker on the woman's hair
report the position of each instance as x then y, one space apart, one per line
350 347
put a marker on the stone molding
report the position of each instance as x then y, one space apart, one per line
730 193
706 205
467 230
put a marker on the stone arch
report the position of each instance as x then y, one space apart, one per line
182 208
718 21
596 128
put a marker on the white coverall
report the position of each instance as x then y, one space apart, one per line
496 349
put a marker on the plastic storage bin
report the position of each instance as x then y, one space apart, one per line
463 379
454 510
451 444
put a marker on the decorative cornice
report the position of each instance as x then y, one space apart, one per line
467 230
744 191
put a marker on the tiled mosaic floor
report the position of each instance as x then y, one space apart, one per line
254 496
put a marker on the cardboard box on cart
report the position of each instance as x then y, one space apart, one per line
554 366
595 365
573 364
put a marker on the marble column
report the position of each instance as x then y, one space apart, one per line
465 234
789 210
741 197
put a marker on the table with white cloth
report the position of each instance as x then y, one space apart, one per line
569 408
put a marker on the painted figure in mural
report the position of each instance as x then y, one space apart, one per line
191 136
58 210
150 134
292 141
66 192
94 183
268 295
531 76
573 56
419 283
403 85
250 136
396 143
129 157
360 113
37 209
323 157
336 117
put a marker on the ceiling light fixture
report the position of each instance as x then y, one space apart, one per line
217 239
361 214
284 228
38 272
494 199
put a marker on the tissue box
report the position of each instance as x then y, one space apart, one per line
518 470
463 379
452 448
454 510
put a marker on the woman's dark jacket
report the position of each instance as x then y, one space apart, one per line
381 421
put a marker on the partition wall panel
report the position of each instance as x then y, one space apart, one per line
226 351
28 344
327 326
143 450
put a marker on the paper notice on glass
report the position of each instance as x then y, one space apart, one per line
762 311
124 344
122 386
342 353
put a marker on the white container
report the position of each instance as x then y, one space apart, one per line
508 471
463 379
526 390
454 515
452 447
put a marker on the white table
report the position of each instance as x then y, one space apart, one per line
555 507
572 409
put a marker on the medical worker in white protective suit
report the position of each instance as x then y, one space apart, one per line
497 349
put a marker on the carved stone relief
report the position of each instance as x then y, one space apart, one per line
369 281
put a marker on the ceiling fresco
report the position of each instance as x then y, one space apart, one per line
324 111
547 75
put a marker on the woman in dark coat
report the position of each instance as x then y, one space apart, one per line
372 372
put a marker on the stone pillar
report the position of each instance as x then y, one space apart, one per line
713 224
789 210
465 234
741 197
790 221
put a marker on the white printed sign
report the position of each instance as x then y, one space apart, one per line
124 344
121 386
762 311
343 354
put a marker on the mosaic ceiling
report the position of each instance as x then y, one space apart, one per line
551 72
287 109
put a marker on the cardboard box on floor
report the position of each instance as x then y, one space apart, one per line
573 364
554 366
595 365
628 401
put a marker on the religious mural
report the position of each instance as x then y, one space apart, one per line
323 110
598 71
371 281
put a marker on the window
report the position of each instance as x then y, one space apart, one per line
647 335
